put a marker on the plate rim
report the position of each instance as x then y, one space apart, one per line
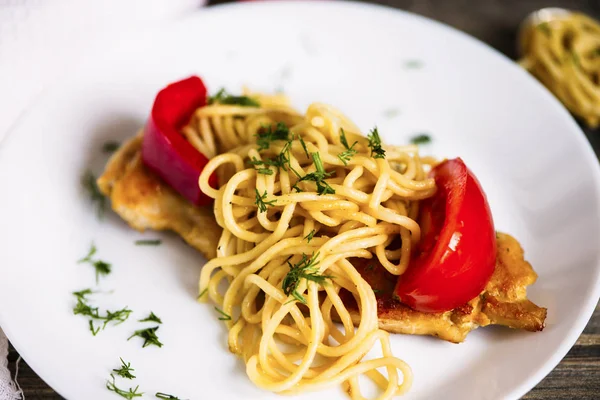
584 145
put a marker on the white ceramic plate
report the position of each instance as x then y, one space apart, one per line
405 73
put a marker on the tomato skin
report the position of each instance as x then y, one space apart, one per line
165 151
457 253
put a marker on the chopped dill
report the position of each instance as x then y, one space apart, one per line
307 269
202 293
82 293
545 28
421 139
125 370
413 64
375 144
160 395
102 268
151 318
261 203
110 147
391 112
310 236
88 181
303 143
269 135
347 154
127 394
319 176
148 242
224 316
149 336
82 307
222 97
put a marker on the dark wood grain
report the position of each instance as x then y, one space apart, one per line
496 23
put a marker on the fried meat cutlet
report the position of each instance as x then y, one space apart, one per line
144 201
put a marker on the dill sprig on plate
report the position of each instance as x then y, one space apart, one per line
88 181
84 308
149 336
110 147
160 395
102 268
126 394
151 318
148 242
125 370
421 139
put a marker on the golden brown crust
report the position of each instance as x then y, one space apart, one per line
146 202
503 302
143 200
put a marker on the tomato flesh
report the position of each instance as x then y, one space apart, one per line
457 253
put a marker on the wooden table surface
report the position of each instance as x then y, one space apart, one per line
494 22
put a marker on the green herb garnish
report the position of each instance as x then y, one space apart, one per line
347 154
375 144
151 318
264 139
545 27
310 236
224 316
222 97
319 176
202 293
149 336
88 181
129 394
304 146
110 147
261 203
102 268
148 242
421 139
283 159
575 58
413 64
82 293
125 370
84 308
160 395
391 112
305 268
93 328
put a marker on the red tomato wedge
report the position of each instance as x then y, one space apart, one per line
457 253
164 150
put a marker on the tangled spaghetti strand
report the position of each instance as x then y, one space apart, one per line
564 54
284 255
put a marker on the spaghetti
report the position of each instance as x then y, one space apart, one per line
299 196
564 54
